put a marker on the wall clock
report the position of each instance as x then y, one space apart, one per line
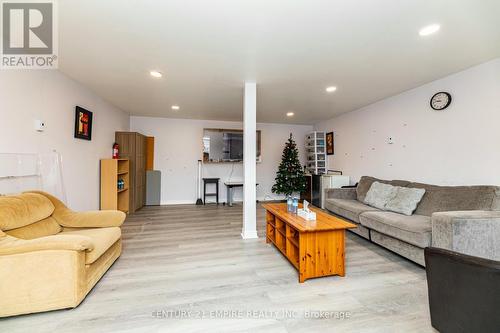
440 101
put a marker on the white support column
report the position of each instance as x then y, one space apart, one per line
249 162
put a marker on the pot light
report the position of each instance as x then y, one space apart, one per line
290 114
330 89
156 74
175 107
429 30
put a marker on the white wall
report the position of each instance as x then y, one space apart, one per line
51 96
178 147
460 145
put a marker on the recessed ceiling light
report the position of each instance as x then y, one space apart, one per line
175 107
156 74
429 30
290 114
331 89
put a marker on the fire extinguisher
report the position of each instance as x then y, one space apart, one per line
116 151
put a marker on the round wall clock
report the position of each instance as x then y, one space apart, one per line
440 101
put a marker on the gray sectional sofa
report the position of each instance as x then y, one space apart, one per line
465 219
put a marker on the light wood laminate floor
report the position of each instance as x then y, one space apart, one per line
192 258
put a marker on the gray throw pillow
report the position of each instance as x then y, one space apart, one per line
406 200
380 194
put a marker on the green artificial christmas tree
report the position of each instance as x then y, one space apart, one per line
290 177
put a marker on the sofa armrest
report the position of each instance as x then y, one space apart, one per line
12 245
341 193
456 304
473 232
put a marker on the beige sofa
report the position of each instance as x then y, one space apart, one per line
50 256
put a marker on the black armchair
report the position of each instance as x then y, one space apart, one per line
464 292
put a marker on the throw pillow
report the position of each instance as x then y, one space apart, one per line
406 200
380 194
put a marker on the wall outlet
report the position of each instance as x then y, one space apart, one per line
39 125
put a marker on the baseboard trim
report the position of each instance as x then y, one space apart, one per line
193 202
177 202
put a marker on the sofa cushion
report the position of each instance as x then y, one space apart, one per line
415 229
45 227
17 211
380 194
102 239
405 201
366 182
347 208
454 198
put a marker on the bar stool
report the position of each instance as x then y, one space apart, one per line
205 194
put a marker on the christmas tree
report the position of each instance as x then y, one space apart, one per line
290 177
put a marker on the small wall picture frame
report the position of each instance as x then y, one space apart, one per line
330 146
83 124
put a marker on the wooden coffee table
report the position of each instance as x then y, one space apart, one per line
315 248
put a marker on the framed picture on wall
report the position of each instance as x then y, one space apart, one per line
83 124
329 144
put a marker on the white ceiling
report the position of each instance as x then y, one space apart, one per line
293 49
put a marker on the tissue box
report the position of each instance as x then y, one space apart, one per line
307 215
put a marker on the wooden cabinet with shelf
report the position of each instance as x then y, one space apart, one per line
113 197
314 248
284 237
133 147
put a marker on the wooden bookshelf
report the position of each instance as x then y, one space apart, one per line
113 198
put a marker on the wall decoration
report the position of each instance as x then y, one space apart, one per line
440 101
83 124
329 144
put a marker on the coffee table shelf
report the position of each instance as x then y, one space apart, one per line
314 248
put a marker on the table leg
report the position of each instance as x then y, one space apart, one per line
230 196
204 192
217 191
